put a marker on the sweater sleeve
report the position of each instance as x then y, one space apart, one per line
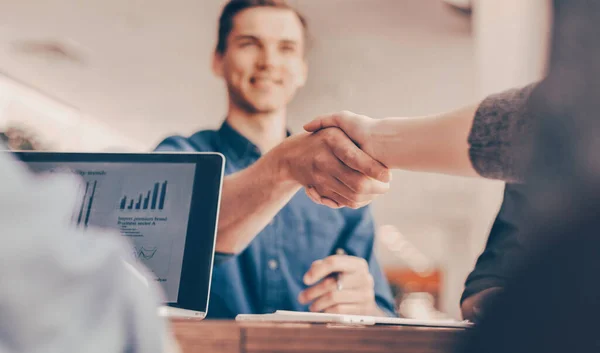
501 121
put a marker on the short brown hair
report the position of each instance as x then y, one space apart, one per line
234 7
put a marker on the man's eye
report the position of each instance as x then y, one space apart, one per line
288 49
246 44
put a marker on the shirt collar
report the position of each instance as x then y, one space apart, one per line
238 144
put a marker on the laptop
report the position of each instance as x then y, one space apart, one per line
165 204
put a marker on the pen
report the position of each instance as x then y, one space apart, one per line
337 275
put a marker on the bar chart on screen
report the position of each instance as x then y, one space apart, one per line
83 216
153 199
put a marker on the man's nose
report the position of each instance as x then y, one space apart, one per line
269 57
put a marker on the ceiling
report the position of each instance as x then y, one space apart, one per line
139 59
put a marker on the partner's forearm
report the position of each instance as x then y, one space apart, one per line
250 199
485 140
436 143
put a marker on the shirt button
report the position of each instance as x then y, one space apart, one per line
273 264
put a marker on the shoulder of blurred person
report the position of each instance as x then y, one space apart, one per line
63 289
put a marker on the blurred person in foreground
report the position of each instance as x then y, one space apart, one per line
276 249
552 303
64 289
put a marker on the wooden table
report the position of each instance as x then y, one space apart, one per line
233 337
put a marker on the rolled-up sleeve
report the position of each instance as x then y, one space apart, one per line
501 122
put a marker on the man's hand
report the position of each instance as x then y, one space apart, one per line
334 171
340 284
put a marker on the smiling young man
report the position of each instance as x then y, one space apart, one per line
276 248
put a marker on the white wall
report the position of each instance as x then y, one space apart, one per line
511 42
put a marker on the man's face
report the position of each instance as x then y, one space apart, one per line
263 64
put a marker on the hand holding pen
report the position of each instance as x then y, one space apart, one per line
340 284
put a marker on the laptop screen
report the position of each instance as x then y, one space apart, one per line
165 205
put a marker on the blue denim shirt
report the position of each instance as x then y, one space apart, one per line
267 275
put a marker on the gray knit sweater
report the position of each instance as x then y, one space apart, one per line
500 122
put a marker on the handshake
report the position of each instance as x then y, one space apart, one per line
336 161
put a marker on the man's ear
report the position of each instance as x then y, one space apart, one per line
217 64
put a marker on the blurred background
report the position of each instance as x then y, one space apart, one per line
114 75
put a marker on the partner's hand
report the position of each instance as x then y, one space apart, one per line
357 127
340 284
473 307
329 164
